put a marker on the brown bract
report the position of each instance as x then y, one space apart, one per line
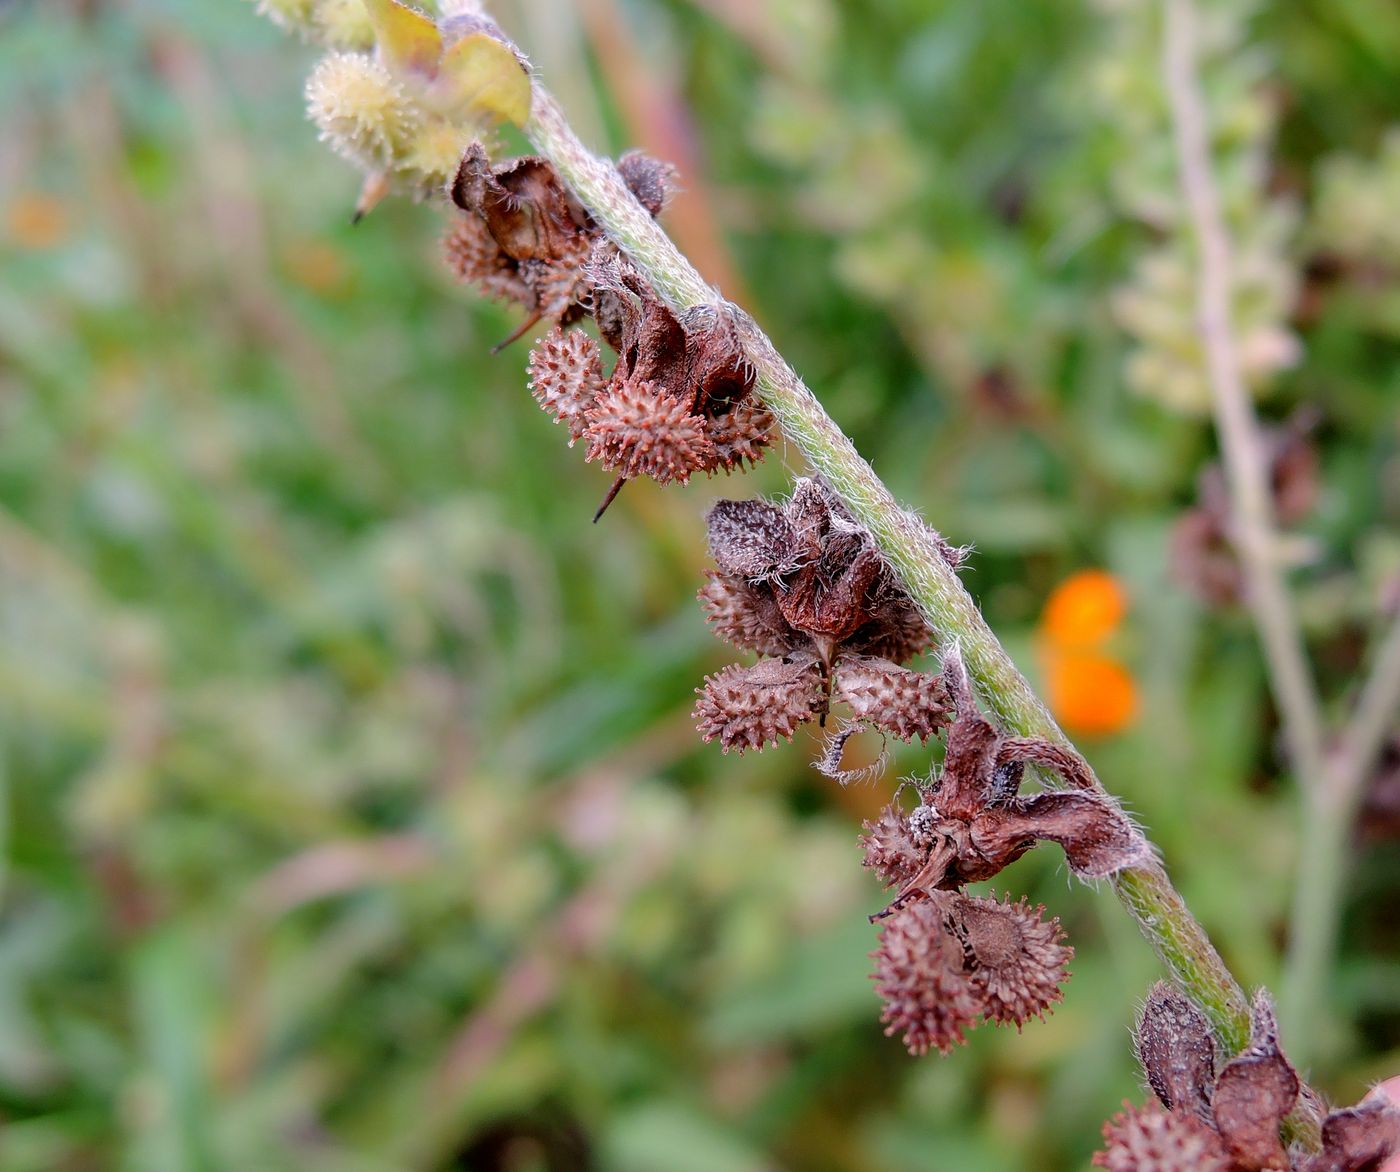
802 583
1241 1107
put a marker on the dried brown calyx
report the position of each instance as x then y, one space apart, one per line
679 399
1203 554
947 962
804 586
523 237
1230 1120
972 821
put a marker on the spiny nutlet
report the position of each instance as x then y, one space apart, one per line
950 960
750 707
919 976
1019 960
1151 1139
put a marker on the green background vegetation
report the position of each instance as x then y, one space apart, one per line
352 817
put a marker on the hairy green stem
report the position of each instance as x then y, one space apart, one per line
912 549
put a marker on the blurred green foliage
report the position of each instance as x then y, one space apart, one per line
352 815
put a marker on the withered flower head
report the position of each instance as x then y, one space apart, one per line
973 822
803 583
678 400
948 961
523 237
1243 1106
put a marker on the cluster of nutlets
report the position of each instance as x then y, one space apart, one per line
678 399
1230 1118
805 587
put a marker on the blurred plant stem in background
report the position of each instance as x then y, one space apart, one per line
1330 777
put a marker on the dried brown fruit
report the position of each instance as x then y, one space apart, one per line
907 704
1019 960
919 976
892 850
750 707
1150 1139
566 378
636 428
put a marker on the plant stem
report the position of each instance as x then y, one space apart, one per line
1246 464
1328 813
1145 891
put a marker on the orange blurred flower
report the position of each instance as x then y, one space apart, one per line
1089 691
1084 609
36 220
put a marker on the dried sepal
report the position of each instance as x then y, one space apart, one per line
750 707
1151 1139
522 202
907 704
566 378
899 632
1253 1093
829 763
1019 960
1358 1139
919 976
638 429
1176 1050
1049 755
1097 838
750 538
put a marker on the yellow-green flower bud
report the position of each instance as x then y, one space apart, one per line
360 109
